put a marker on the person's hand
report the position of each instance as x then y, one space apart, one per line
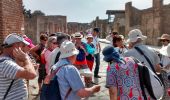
82 47
36 65
96 88
47 79
19 55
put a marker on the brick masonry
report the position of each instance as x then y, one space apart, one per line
11 17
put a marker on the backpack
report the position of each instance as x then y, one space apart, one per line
150 81
51 91
151 65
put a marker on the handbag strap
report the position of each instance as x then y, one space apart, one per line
147 59
56 70
8 90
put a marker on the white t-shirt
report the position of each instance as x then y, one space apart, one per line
52 57
96 44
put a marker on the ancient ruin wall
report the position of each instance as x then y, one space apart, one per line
132 16
11 20
166 19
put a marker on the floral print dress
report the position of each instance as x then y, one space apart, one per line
125 77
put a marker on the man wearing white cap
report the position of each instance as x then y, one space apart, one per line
15 66
135 39
68 76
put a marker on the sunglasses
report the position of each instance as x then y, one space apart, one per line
165 40
45 40
54 42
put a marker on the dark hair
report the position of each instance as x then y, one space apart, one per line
96 29
115 33
43 37
53 34
115 39
61 37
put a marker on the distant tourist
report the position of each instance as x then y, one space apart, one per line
164 51
90 55
119 43
36 52
111 36
96 44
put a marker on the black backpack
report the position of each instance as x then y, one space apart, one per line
51 91
148 79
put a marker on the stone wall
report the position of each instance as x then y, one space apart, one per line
153 21
102 24
11 17
36 25
132 16
119 23
166 19
77 27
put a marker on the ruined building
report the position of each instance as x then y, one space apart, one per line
38 24
73 27
11 17
153 21
102 24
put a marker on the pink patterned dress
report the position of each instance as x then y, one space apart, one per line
125 77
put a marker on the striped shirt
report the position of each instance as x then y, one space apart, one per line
8 70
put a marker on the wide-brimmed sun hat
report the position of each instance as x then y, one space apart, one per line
14 38
134 35
164 37
78 35
68 49
110 53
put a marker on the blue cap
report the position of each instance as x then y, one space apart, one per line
110 53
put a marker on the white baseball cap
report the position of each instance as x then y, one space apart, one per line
68 49
14 38
134 35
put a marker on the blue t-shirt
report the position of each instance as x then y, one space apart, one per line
68 77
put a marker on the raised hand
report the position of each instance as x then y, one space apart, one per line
19 55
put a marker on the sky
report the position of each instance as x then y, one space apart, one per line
83 11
